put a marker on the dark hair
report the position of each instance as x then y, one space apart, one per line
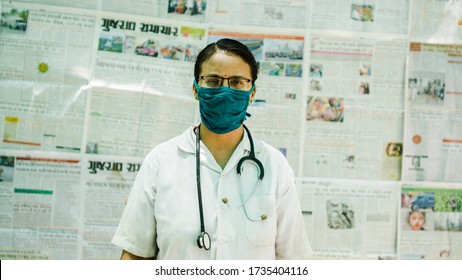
230 46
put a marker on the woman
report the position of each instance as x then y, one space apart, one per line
416 220
188 200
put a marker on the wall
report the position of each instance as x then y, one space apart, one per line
361 96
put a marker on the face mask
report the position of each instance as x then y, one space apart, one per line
222 109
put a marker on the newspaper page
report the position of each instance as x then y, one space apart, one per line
431 221
436 21
132 123
354 110
143 69
40 206
350 219
145 54
432 136
106 183
269 13
184 10
44 69
277 108
376 16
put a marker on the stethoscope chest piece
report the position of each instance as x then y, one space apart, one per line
204 241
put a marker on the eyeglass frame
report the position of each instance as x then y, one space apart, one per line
248 81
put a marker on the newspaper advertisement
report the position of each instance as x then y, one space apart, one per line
106 183
40 206
277 107
352 219
432 135
354 110
436 21
361 15
431 221
44 69
269 13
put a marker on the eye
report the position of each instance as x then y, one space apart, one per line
238 83
212 81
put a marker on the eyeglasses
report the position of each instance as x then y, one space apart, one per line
239 83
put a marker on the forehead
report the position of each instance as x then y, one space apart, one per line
226 65
417 214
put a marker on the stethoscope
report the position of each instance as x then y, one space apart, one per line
203 240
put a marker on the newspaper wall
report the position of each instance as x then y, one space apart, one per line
354 94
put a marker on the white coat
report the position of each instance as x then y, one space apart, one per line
161 217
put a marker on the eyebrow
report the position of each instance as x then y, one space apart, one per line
218 76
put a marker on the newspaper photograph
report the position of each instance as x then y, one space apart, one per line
431 221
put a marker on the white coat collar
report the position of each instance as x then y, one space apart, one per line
187 141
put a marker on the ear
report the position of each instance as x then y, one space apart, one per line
194 92
252 95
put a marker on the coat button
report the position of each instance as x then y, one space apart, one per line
224 200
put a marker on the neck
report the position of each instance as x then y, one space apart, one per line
221 146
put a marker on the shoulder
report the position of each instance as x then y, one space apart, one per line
271 154
276 166
170 149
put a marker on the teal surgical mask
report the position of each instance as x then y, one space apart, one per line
222 109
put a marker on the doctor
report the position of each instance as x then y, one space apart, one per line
214 192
